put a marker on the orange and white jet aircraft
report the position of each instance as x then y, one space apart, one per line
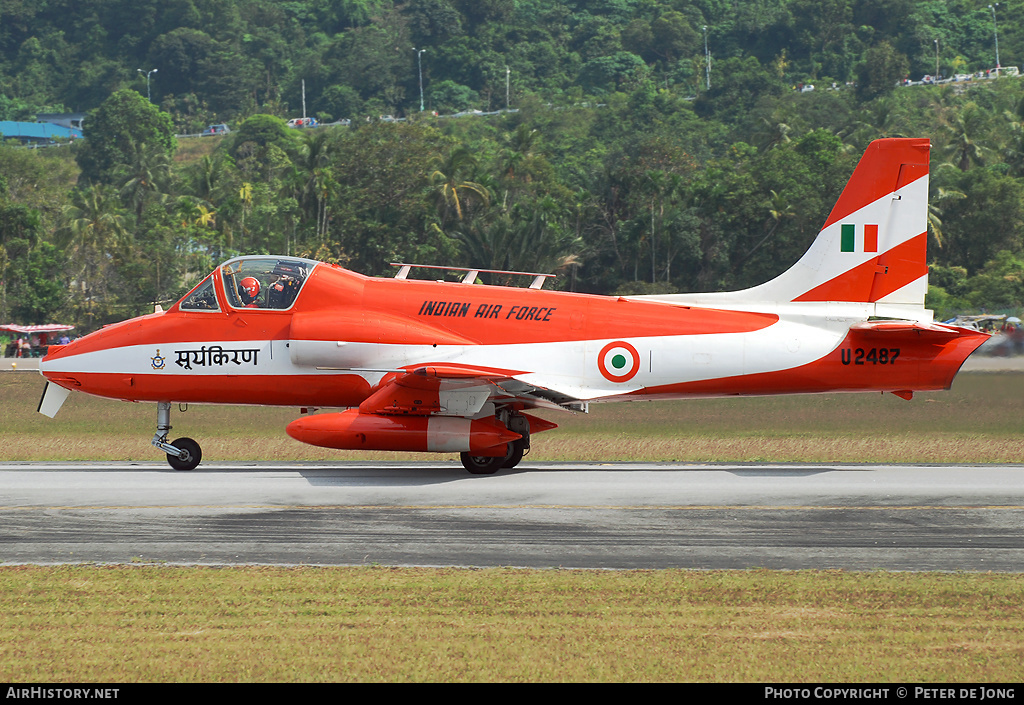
452 366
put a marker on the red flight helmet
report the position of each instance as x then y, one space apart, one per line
251 286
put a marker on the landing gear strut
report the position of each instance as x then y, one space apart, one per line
182 454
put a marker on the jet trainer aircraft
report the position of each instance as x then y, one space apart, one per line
451 367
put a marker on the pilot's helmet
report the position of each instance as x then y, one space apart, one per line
251 287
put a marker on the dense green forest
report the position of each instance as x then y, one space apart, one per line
650 145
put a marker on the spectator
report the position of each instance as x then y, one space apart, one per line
1014 329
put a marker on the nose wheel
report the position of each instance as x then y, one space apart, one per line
182 454
188 455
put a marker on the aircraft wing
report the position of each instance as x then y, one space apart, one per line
447 389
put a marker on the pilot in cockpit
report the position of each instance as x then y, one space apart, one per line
249 290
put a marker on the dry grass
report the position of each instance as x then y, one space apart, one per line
144 624
193 149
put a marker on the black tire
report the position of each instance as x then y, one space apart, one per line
513 458
481 464
193 455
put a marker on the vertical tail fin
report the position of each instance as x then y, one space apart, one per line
872 247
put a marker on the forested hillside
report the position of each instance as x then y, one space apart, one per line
651 145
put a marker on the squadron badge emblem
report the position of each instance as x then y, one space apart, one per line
158 360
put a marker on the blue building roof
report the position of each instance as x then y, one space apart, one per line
36 131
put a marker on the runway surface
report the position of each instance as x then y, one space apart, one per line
601 516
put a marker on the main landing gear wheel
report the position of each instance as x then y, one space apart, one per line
514 451
486 465
190 454
513 458
483 464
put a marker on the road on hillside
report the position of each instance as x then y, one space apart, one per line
540 515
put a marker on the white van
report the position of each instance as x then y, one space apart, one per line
1004 71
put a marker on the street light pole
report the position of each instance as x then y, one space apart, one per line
508 74
149 97
936 59
419 61
995 32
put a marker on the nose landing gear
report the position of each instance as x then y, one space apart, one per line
183 453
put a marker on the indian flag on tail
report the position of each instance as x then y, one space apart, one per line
848 238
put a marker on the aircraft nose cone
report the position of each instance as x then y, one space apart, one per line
54 366
49 357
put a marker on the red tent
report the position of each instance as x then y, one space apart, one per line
46 328
44 332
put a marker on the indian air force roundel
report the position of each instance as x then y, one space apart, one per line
618 361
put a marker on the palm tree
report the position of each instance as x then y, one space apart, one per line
664 190
455 192
521 163
147 176
1014 150
531 237
934 212
94 228
522 145
772 134
245 196
962 146
206 178
317 183
778 208
878 119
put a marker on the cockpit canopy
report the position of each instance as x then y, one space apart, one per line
258 282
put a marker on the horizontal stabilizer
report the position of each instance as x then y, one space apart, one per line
935 331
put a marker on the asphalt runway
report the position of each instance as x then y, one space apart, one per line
568 515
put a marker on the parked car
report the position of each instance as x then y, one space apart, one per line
303 122
220 129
